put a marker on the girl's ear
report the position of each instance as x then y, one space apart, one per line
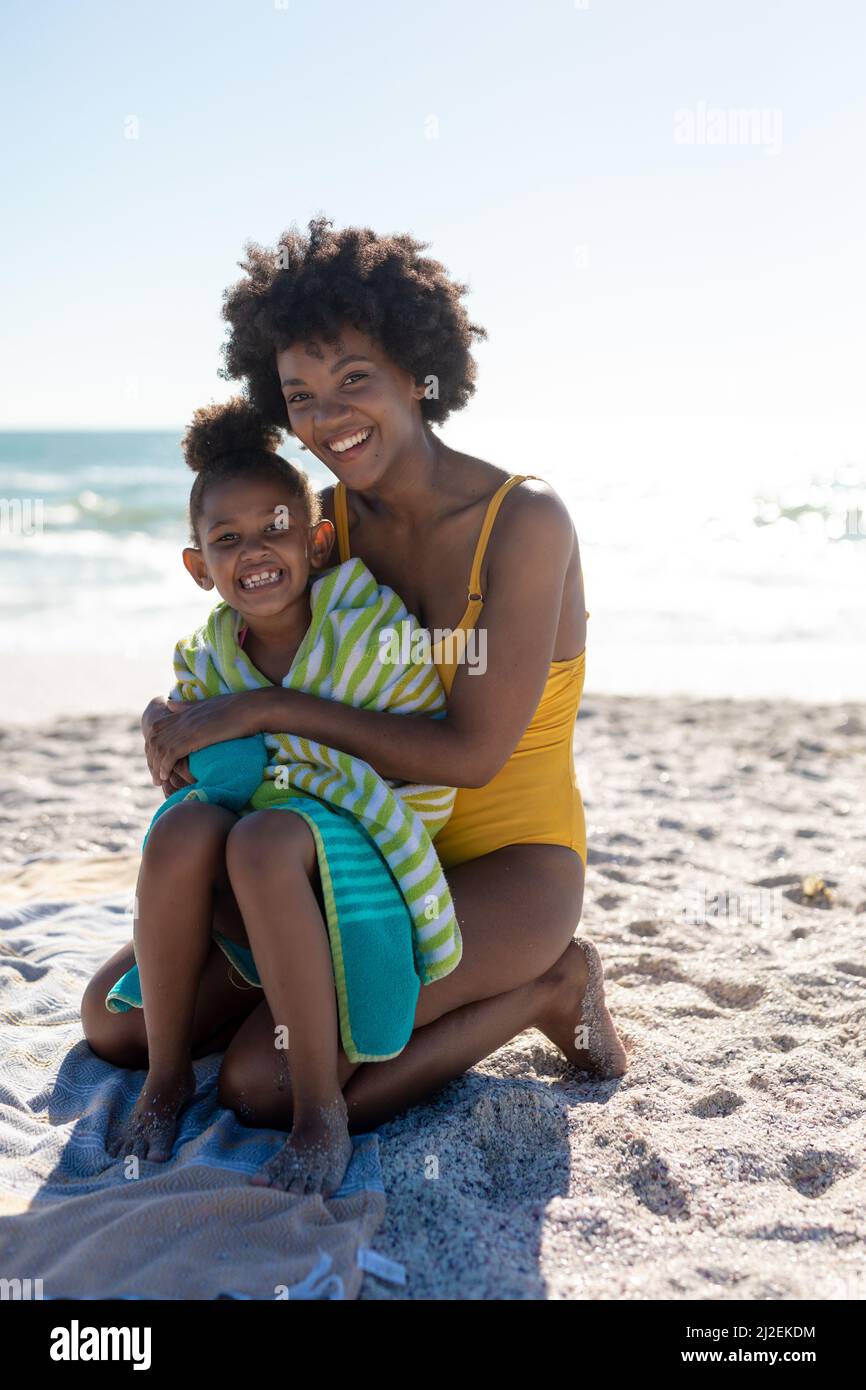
321 543
194 564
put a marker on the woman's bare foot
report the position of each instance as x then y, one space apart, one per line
577 1018
150 1129
315 1156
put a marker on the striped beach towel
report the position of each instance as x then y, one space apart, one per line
349 654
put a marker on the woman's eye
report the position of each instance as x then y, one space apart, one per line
301 396
229 536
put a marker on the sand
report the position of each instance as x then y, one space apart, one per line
727 895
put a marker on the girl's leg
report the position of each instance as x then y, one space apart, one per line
272 866
518 910
181 865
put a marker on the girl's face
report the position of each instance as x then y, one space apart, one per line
350 390
257 546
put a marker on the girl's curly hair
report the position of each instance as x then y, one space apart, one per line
310 285
232 440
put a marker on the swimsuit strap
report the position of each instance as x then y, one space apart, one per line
487 525
341 515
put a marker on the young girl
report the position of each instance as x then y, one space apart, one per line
258 535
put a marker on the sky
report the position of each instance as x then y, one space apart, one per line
656 273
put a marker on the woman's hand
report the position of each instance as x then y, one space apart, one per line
175 728
180 775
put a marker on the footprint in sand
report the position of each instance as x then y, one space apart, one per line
516 1124
813 1171
643 929
655 1187
731 994
608 901
718 1102
656 970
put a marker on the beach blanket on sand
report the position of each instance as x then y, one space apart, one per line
389 912
80 1222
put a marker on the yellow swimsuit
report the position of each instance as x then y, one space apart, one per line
534 799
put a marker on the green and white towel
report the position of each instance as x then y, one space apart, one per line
342 657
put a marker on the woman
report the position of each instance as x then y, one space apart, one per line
358 344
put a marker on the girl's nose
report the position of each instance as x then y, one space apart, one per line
255 550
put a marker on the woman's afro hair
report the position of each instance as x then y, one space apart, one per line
310 285
233 440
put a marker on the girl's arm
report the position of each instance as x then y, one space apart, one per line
487 713
186 687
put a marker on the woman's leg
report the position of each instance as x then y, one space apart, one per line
272 866
518 909
220 1009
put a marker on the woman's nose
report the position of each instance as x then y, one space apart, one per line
329 419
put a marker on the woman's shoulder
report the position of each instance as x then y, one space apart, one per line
326 501
487 478
531 513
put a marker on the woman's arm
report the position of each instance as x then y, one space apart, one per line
487 713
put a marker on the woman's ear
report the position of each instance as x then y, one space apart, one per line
194 564
321 543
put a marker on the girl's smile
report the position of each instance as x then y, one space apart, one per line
257 549
261 578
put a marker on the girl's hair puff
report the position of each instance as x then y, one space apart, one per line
233 440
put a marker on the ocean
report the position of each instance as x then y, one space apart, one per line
741 590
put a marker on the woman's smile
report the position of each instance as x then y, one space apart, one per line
347 446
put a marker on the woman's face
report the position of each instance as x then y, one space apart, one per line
335 391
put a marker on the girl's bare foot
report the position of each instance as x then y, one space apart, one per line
150 1129
315 1156
577 1018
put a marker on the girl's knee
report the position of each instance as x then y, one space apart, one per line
267 842
188 828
